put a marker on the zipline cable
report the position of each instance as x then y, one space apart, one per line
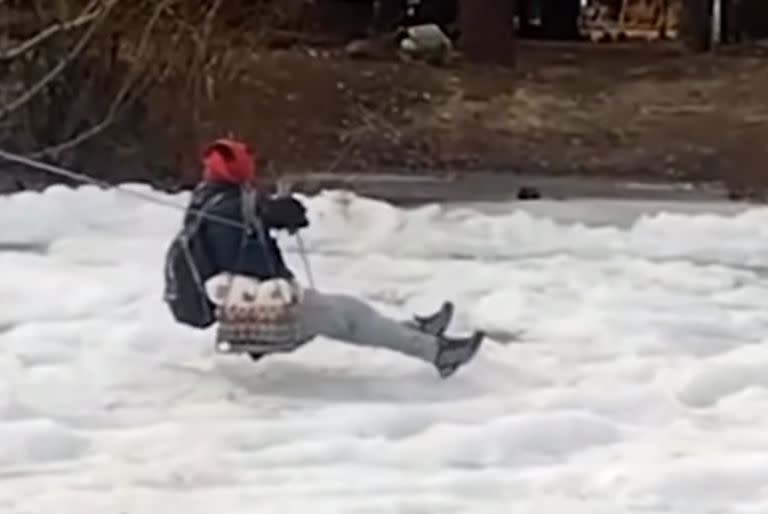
86 179
284 188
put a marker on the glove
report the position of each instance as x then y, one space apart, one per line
285 213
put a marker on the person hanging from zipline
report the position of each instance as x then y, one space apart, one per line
225 267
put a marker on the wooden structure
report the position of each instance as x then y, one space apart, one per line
632 19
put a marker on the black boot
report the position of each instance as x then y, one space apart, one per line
436 323
454 353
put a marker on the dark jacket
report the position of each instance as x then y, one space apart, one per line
223 241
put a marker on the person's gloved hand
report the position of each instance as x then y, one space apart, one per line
286 213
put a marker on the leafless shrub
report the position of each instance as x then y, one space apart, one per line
72 70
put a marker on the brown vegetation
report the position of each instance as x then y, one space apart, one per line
129 89
100 77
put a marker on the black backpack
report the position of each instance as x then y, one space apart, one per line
187 267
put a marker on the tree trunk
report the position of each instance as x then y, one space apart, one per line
487 31
730 32
697 25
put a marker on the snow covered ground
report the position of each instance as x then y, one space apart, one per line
643 387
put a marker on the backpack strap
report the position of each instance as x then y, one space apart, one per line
194 218
263 324
254 223
192 229
251 223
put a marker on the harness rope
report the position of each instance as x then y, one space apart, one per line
259 320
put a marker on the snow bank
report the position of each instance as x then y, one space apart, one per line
641 386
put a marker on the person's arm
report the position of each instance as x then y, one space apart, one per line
283 213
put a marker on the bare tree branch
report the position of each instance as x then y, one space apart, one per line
127 93
94 68
63 63
200 82
49 32
117 104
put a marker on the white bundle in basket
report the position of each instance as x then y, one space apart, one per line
248 308
227 290
250 311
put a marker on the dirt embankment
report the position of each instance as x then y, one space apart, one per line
632 111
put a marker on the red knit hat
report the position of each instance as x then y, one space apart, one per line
228 160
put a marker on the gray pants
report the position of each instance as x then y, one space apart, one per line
350 320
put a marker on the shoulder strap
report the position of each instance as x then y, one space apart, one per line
253 223
194 218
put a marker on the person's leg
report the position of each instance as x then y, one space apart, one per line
350 320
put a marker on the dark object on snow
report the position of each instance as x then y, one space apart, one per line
528 193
